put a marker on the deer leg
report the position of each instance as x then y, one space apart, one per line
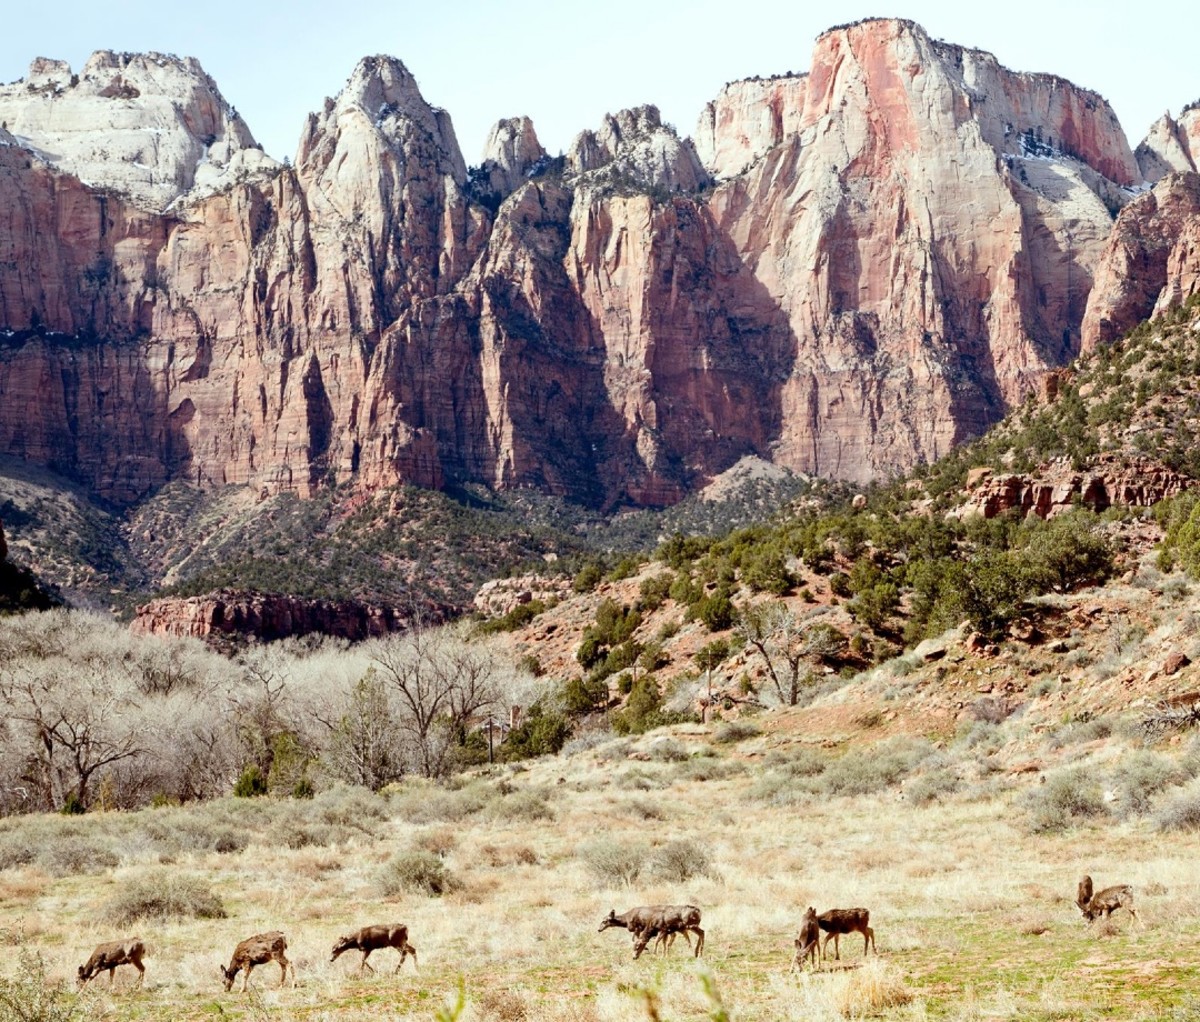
283 971
699 941
141 972
640 943
246 976
364 964
869 938
112 976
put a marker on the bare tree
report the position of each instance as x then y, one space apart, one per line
441 684
364 736
775 633
74 722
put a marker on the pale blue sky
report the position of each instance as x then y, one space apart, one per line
566 65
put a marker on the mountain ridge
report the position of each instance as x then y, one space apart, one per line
617 329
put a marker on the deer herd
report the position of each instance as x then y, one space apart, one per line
660 923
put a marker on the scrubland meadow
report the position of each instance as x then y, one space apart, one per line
967 863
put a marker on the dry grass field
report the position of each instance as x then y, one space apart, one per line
969 877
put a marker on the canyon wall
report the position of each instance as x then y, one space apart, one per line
846 272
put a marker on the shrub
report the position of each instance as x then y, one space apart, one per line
678 861
1181 813
163 895
69 856
712 654
416 872
542 733
516 618
584 695
250 783
643 710
668 750
351 807
588 577
931 787
31 996
644 809
614 863
1140 776
865 771
716 611
426 803
1067 797
735 731
522 805
803 762
653 591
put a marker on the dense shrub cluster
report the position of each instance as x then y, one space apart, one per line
416 872
163 895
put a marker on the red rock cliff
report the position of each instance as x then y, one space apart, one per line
908 249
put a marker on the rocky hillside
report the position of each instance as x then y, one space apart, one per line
846 272
1061 523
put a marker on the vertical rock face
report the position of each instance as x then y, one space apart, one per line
1171 145
1151 260
929 223
902 245
747 119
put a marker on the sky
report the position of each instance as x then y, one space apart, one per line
566 64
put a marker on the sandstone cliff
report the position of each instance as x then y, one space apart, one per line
1150 262
908 250
226 616
1110 481
1171 145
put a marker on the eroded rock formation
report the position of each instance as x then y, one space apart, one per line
1150 262
1171 146
900 247
223 616
1110 481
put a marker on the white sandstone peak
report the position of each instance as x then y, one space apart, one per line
152 126
511 152
635 144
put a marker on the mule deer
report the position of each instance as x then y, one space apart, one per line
668 921
808 941
1103 903
258 950
839 921
108 956
662 921
372 938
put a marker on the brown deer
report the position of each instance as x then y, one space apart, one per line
258 950
808 941
372 938
839 921
666 922
661 921
1103 903
108 956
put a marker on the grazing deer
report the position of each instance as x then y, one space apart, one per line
808 941
661 921
258 950
1103 903
372 938
108 956
666 921
839 921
